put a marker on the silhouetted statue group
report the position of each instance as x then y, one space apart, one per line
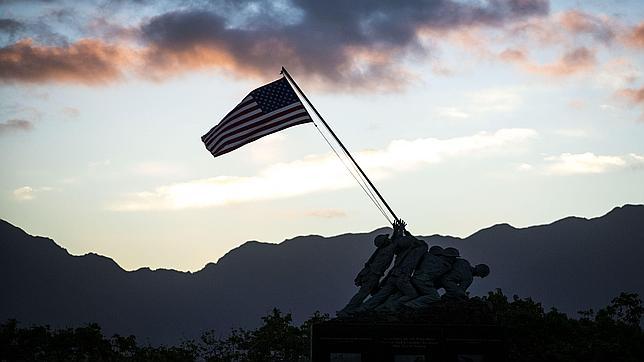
414 280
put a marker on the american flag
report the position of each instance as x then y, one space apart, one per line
265 110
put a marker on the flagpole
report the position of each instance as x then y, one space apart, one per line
286 73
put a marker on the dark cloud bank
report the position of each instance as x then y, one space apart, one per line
353 43
10 26
359 41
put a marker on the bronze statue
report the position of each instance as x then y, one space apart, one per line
369 277
396 288
427 276
414 279
460 277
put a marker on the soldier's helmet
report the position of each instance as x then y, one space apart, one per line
436 250
453 252
482 270
381 240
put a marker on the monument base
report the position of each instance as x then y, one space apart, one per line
463 331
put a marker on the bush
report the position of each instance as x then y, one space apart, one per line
612 333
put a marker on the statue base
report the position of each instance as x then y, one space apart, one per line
448 331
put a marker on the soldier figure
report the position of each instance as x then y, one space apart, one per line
427 276
408 252
370 275
457 280
399 289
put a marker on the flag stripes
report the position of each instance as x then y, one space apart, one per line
265 110
232 146
245 126
249 110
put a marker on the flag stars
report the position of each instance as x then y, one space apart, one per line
275 95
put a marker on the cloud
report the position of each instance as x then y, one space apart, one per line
71 112
15 125
344 42
634 37
105 27
514 55
487 100
24 193
569 29
607 107
312 174
10 26
577 103
405 155
572 39
574 61
341 43
86 61
632 95
365 45
27 193
638 158
589 163
318 173
616 74
601 28
16 110
327 213
564 28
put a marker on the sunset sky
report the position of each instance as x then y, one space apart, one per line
464 113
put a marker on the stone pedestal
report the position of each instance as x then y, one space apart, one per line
411 337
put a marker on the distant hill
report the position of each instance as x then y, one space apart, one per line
574 264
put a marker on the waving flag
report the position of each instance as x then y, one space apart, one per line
265 110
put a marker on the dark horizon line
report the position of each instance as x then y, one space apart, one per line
144 268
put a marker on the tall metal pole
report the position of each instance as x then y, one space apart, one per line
286 73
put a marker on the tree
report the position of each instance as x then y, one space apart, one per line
613 334
277 339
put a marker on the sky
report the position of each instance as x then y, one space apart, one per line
464 113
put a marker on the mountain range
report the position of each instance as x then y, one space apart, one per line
573 264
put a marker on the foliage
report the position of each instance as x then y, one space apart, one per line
612 333
277 339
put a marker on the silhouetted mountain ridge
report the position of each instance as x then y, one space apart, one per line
573 263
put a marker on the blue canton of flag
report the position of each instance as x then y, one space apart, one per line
265 110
